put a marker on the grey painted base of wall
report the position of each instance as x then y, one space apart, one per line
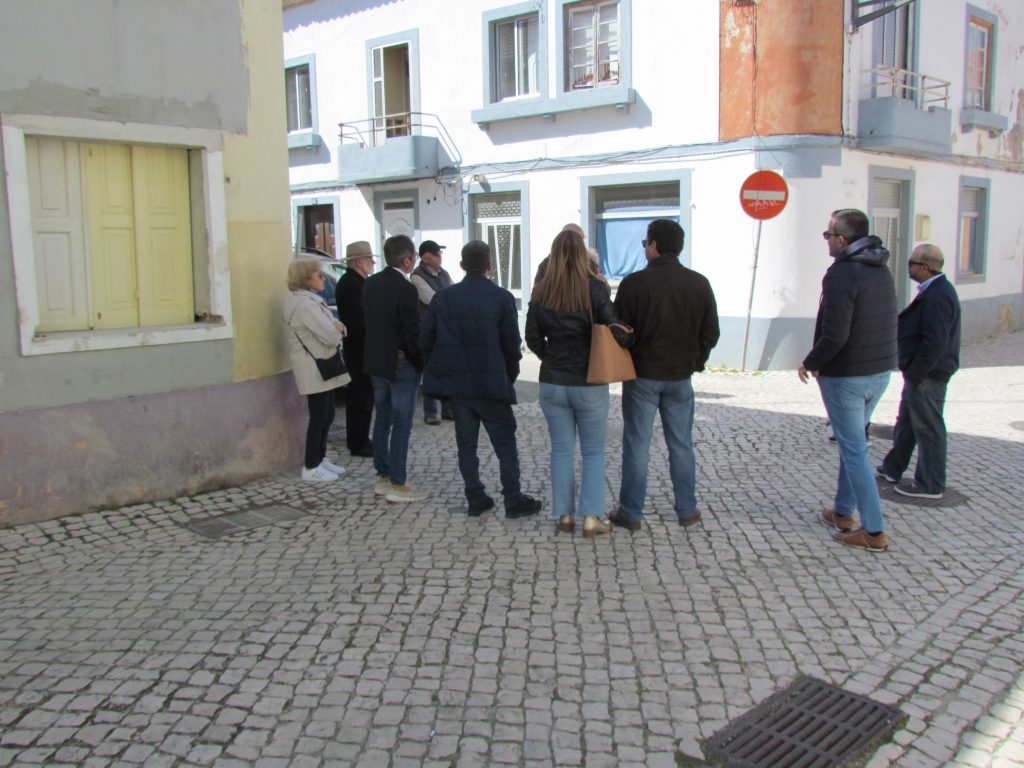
781 343
80 458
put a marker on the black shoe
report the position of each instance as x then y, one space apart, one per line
881 474
916 491
524 506
619 519
366 451
478 506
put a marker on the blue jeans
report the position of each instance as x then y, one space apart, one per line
920 424
849 402
642 399
395 405
569 410
500 423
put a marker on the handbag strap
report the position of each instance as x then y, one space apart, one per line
304 346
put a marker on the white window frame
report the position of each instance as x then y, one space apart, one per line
984 187
567 64
206 176
291 80
979 97
523 90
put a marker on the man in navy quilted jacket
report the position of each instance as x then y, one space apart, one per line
470 335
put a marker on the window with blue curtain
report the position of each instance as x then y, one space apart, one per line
622 214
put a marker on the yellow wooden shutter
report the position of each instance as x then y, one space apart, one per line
107 172
55 194
163 235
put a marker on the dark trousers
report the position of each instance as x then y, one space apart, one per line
321 416
500 423
919 423
358 411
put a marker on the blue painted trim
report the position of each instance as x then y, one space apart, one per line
978 276
304 202
307 137
616 96
588 185
971 118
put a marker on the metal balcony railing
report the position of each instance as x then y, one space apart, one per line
924 90
376 131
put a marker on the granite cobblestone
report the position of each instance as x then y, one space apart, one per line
371 634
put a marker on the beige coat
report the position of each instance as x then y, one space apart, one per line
309 319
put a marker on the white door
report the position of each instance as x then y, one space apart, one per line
398 218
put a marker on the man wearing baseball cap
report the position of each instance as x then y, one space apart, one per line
429 277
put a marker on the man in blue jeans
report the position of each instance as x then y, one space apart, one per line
394 361
929 352
470 335
673 313
854 351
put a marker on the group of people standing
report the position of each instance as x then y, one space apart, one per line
409 322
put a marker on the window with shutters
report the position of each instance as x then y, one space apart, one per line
973 229
111 236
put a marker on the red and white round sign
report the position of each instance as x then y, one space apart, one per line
764 194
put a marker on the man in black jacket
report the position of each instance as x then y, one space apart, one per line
929 354
471 337
394 361
674 316
854 351
359 400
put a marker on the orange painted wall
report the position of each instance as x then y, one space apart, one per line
781 68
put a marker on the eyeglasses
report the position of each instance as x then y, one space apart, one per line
916 264
826 234
643 243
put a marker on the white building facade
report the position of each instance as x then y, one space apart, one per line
482 119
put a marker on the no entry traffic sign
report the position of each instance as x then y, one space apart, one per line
764 194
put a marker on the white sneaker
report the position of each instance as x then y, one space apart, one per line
381 485
331 467
401 493
318 475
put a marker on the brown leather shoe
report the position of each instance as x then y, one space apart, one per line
566 523
842 523
690 519
619 519
861 539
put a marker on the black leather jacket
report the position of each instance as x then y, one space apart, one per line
562 339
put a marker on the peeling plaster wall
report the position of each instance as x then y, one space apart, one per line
781 68
144 61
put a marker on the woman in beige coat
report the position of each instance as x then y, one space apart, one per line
313 332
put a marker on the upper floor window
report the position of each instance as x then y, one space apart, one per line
298 99
592 44
515 49
978 88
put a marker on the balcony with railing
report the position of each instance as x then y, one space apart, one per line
405 145
903 111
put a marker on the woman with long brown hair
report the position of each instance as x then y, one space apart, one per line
564 305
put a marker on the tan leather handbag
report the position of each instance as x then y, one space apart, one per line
608 361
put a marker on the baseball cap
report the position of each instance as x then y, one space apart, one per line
429 246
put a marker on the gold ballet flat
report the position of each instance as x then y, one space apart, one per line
593 526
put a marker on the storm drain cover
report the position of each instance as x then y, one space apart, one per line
245 520
810 724
950 497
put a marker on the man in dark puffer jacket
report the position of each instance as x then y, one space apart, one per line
470 335
853 354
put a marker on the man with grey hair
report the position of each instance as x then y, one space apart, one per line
929 355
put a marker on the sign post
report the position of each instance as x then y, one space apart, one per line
763 196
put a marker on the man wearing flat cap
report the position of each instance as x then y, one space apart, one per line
429 277
359 260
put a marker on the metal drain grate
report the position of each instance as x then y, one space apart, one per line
245 520
810 724
950 497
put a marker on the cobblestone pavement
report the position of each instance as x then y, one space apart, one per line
384 635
